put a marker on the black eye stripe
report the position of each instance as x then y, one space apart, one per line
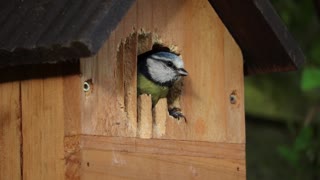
170 64
166 62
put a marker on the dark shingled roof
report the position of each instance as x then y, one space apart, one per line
39 31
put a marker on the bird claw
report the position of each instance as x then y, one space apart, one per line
176 113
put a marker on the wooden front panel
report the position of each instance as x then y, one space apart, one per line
211 56
211 145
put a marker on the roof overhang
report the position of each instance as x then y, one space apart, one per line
51 31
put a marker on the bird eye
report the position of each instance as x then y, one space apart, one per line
170 64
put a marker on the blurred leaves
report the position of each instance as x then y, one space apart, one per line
302 154
315 53
301 144
290 97
310 79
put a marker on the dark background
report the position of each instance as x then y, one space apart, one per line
283 109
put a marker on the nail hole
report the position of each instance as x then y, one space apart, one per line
88 164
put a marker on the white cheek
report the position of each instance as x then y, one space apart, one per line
160 73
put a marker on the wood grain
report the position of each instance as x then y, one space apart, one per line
159 115
145 121
72 89
235 112
72 157
130 81
164 146
104 157
211 144
43 128
10 131
211 56
113 164
71 103
111 108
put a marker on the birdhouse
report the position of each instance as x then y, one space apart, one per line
70 108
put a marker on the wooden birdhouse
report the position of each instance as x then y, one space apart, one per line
69 105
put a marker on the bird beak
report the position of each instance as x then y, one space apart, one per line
182 72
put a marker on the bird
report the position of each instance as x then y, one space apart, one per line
157 73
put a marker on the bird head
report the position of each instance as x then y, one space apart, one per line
165 67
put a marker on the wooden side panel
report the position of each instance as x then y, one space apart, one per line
43 128
234 89
10 131
72 89
129 158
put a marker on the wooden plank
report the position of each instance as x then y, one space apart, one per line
166 147
10 131
43 128
119 74
71 99
72 89
72 157
144 18
199 32
235 132
106 157
159 115
130 81
144 116
106 111
102 111
123 165
43 101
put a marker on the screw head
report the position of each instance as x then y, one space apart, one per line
233 98
86 86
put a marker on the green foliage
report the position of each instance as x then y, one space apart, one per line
302 154
315 53
290 96
303 22
274 96
294 152
310 79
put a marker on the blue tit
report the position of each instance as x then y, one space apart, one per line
157 73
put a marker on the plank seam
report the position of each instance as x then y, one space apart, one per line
21 133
